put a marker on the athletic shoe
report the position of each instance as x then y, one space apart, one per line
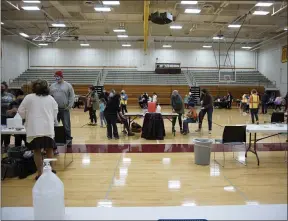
130 134
198 130
116 138
109 138
210 132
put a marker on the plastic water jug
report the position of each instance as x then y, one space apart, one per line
48 195
151 107
158 109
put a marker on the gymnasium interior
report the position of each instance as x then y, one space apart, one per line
162 47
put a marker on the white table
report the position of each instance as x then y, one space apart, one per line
7 131
272 129
134 115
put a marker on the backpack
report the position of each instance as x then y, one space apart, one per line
16 152
178 104
136 128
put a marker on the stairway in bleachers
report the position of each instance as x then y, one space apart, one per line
73 76
144 78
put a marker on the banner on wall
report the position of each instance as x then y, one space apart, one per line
284 54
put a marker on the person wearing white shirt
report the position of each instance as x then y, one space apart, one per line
39 110
154 97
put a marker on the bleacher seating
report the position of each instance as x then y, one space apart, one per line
242 78
144 78
73 76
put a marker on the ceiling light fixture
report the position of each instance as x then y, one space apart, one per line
246 47
189 2
192 10
234 26
218 37
126 45
24 35
261 13
3 23
85 45
166 46
59 25
175 27
31 8
111 2
102 9
43 44
207 46
264 4
285 29
31 1
122 36
119 30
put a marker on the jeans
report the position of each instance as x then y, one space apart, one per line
229 104
264 108
254 113
111 124
124 108
202 114
277 106
64 116
102 118
186 122
174 121
92 114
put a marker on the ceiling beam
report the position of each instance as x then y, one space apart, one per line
61 9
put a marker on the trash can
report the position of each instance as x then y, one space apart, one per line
202 150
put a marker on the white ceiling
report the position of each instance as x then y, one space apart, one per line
92 25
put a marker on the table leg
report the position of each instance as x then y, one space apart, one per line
255 148
249 146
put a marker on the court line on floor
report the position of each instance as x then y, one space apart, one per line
113 176
242 194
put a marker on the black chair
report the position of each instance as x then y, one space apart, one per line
277 117
232 135
60 140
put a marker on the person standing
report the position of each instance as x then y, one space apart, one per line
178 107
186 101
207 107
123 102
93 105
229 100
12 111
63 94
264 101
154 97
40 110
104 94
102 107
6 100
254 105
110 113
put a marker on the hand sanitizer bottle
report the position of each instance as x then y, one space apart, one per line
48 195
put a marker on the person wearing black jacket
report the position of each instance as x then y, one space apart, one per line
264 101
286 102
207 107
110 113
104 94
12 111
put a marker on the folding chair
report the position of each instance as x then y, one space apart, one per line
60 140
232 135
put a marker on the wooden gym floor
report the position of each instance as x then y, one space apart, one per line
126 179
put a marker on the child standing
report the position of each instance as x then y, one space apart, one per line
102 108
186 98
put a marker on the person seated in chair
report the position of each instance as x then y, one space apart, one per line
123 120
191 118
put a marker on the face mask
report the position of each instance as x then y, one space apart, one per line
57 79
111 94
104 91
